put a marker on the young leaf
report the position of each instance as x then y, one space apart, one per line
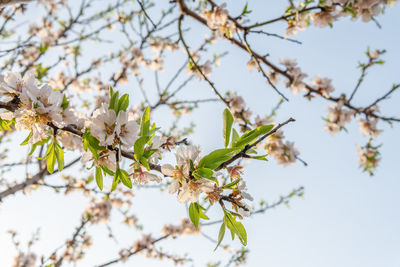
221 235
115 181
145 163
90 142
217 157
235 136
99 178
138 147
231 184
25 142
123 103
245 11
65 103
202 214
113 99
59 155
203 172
227 126
50 157
194 214
261 157
124 176
5 124
40 143
252 135
145 123
107 170
235 227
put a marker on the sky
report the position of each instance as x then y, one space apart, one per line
347 218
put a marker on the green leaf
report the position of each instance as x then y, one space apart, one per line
25 142
145 123
191 165
107 170
203 172
241 233
350 10
262 157
41 71
65 103
43 49
227 126
251 151
123 103
116 180
252 135
5 124
235 227
90 142
50 157
202 214
221 235
113 99
124 176
235 136
144 162
245 11
99 178
138 147
54 153
40 143
194 214
217 157
147 154
231 184
59 156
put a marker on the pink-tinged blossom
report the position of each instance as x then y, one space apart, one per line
284 152
368 158
217 19
296 83
99 210
337 118
323 85
368 127
141 176
24 260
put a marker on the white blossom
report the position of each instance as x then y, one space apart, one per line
368 127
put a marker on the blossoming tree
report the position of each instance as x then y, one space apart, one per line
61 75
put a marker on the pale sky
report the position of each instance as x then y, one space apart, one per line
346 218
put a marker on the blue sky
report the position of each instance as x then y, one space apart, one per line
346 218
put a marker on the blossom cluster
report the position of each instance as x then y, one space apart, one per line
188 189
185 227
238 107
218 20
296 83
24 260
369 157
112 129
338 117
98 211
331 10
